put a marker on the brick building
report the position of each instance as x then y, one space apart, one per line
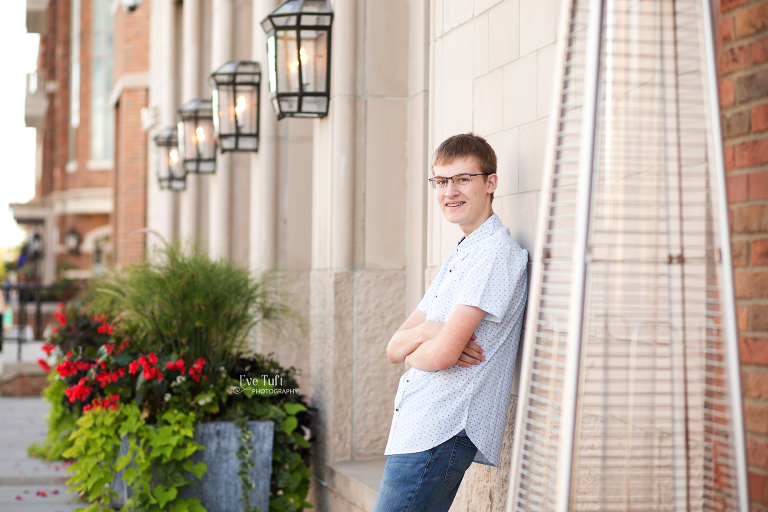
743 70
90 86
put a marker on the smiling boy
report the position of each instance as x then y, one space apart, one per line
459 345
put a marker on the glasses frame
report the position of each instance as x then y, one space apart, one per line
433 181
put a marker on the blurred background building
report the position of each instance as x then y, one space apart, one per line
341 203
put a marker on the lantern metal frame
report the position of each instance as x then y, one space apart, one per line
196 111
72 241
168 138
280 20
235 75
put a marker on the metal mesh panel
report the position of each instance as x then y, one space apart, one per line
542 401
656 425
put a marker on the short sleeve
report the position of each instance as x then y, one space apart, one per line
492 278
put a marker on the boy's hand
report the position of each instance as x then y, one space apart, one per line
472 354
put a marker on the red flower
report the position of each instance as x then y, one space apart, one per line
60 306
61 318
44 365
109 347
105 328
121 372
55 330
79 390
123 346
99 318
48 348
178 365
152 358
66 368
133 367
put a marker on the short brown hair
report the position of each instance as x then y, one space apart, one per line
466 145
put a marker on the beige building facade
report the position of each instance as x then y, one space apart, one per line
342 203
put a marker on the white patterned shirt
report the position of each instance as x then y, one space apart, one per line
488 271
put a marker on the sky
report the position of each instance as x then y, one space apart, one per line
17 142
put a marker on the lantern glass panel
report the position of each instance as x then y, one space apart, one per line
313 6
170 172
198 137
287 62
288 7
312 104
289 104
237 117
314 60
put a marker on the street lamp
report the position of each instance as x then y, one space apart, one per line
236 105
197 145
299 57
170 172
72 241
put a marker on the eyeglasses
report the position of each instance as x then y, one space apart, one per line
460 180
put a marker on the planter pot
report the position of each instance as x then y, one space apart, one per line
220 489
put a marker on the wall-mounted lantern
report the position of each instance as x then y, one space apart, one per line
236 108
299 57
170 172
35 246
72 241
197 144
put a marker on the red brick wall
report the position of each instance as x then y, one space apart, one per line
743 70
82 224
130 177
131 56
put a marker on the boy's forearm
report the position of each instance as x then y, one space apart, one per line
423 357
406 341
403 343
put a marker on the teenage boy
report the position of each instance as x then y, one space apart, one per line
459 345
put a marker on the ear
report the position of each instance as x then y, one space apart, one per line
492 183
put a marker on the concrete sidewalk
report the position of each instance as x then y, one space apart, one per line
22 422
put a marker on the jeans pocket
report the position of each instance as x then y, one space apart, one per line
461 458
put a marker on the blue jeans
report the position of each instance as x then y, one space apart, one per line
425 481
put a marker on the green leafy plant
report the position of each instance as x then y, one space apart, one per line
155 464
61 422
162 343
178 299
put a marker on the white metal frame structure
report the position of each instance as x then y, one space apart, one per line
630 395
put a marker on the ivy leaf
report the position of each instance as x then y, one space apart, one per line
123 461
164 494
289 424
300 440
194 505
294 408
198 469
130 475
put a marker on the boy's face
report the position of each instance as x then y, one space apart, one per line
467 205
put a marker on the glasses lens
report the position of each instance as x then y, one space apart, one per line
462 179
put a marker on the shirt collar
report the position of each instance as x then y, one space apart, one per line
485 230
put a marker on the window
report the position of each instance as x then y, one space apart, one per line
102 125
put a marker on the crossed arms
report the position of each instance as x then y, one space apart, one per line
432 346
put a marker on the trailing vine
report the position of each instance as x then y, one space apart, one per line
246 463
